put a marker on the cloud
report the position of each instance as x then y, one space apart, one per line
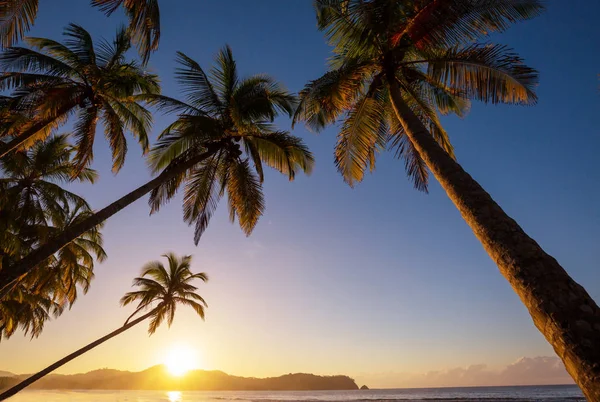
536 370
540 370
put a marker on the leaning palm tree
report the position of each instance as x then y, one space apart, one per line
33 207
53 81
161 290
17 17
223 136
33 203
396 64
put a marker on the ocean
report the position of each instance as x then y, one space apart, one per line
555 393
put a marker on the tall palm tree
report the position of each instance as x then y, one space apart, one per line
17 17
144 22
396 64
224 128
161 290
33 207
52 81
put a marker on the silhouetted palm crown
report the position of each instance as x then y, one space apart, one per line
428 47
52 81
162 289
230 118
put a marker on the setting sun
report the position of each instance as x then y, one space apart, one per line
179 360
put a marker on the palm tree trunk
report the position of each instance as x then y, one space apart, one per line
27 382
12 273
35 128
560 308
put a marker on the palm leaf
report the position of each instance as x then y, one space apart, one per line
202 195
224 75
362 135
452 22
16 18
196 85
490 73
323 100
245 195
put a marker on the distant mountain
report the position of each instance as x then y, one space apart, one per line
157 378
6 374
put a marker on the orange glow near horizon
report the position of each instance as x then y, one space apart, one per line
180 359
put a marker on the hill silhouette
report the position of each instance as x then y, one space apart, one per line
157 378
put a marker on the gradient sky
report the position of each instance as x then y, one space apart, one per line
377 281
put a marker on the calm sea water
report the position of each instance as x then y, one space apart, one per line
492 394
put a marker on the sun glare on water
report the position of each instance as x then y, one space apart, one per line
179 360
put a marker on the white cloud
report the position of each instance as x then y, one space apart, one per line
540 370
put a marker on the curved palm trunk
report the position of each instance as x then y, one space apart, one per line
27 382
12 273
561 308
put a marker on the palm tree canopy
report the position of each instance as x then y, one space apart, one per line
430 48
52 81
162 289
144 22
232 117
34 208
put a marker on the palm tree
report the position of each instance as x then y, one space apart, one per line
398 63
32 209
144 22
225 125
17 17
161 290
53 81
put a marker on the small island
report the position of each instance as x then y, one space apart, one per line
364 387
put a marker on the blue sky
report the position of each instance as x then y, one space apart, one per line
375 279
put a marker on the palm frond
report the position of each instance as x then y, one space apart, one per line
20 59
224 75
281 151
113 130
144 25
415 166
453 22
84 133
202 194
79 41
245 195
323 100
167 104
109 54
107 6
16 18
363 134
196 86
489 73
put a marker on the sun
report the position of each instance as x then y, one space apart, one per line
180 359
